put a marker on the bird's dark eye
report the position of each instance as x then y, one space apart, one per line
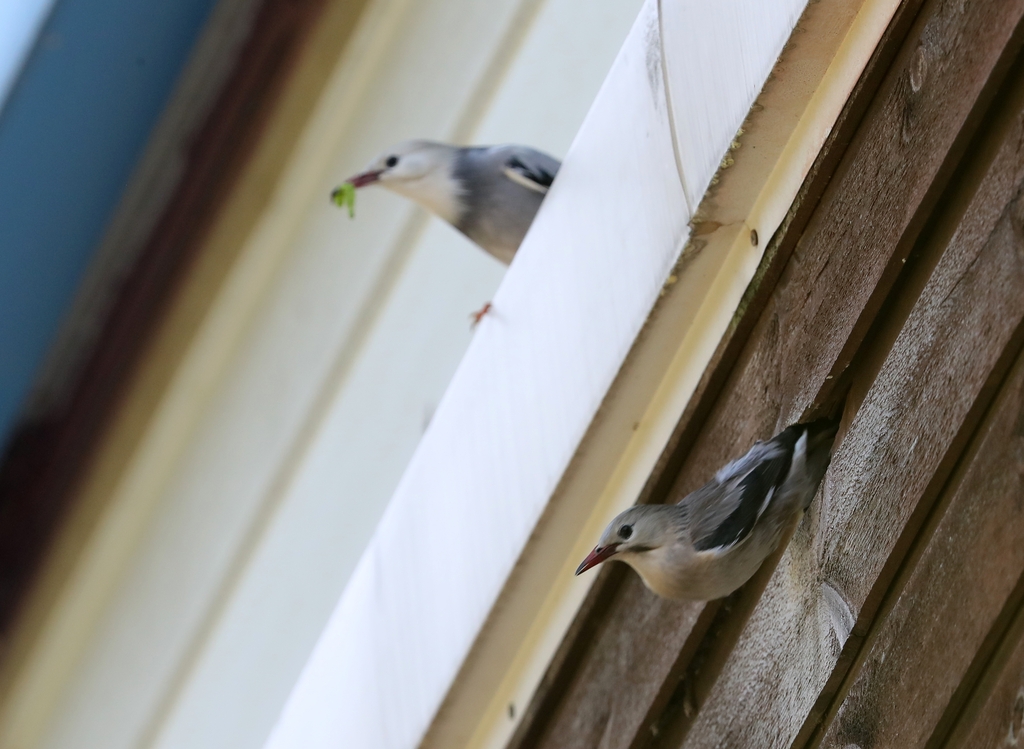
625 532
391 161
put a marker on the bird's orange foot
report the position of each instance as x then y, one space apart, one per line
477 316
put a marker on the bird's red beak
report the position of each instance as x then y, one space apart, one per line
366 178
598 555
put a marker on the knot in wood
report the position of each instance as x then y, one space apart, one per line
1016 720
918 69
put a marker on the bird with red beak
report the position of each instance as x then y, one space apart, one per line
715 538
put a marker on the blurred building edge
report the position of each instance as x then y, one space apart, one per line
225 96
233 84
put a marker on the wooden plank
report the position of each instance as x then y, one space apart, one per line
911 141
889 467
995 719
873 208
951 598
603 711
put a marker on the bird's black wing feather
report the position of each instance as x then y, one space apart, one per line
750 488
535 167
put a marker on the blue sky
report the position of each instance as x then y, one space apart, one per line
19 23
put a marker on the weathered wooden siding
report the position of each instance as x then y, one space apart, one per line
895 293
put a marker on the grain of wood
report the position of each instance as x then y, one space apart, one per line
618 685
997 720
872 210
913 422
953 595
911 140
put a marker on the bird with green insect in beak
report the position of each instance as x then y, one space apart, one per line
715 538
489 193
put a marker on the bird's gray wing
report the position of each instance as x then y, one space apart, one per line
531 169
731 503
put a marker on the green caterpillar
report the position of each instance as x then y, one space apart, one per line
345 195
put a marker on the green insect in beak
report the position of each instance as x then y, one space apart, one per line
345 195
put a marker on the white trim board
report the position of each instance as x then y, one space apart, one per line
466 589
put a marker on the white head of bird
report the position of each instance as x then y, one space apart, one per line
646 537
420 170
